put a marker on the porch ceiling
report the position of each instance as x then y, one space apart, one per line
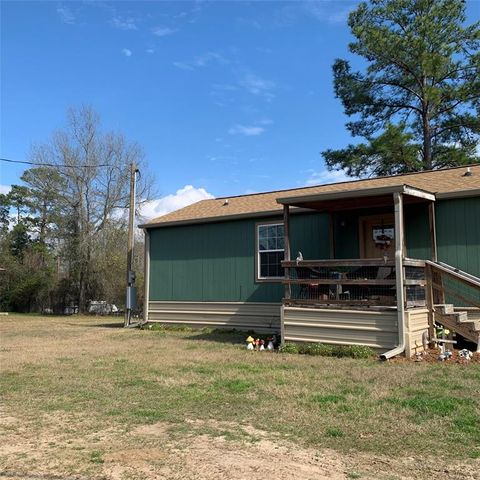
350 200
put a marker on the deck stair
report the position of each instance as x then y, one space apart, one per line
465 323
454 298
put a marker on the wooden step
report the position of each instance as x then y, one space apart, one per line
469 330
468 316
444 308
461 316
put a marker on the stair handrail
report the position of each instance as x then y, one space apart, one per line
455 272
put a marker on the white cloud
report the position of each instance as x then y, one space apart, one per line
326 11
150 50
183 65
326 176
163 31
256 85
127 23
265 121
329 11
5 188
201 61
127 52
251 130
65 14
181 198
248 131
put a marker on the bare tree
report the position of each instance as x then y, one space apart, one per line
92 167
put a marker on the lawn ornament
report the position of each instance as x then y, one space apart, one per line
419 357
466 354
299 257
257 344
442 357
262 345
448 354
250 342
270 345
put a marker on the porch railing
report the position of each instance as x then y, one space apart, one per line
352 282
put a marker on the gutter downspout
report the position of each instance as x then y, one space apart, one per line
398 202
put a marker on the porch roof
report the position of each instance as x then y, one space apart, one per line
366 198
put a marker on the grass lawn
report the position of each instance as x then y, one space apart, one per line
81 399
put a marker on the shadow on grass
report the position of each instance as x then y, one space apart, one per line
221 336
98 325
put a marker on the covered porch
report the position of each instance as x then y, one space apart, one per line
382 298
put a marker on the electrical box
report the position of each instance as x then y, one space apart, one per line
131 302
131 277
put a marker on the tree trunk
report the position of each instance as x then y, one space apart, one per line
81 291
427 143
427 134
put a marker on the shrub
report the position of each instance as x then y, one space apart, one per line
321 349
290 348
352 351
360 351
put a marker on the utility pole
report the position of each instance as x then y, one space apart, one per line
131 291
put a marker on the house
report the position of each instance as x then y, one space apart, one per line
369 262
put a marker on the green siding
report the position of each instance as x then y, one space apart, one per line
346 234
458 233
417 231
216 261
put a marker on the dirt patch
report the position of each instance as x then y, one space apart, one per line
260 453
203 456
218 459
159 429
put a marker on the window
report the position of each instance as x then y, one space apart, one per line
270 251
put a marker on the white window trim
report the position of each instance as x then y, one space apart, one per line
258 251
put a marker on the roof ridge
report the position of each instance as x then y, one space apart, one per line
345 181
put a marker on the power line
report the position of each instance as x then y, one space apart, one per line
53 165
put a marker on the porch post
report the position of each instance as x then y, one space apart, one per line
429 299
399 274
286 235
428 270
433 231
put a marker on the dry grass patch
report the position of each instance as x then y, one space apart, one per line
83 397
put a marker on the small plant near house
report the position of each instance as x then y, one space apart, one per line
320 349
290 348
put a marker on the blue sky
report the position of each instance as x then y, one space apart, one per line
225 97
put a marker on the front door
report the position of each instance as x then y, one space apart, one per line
377 236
